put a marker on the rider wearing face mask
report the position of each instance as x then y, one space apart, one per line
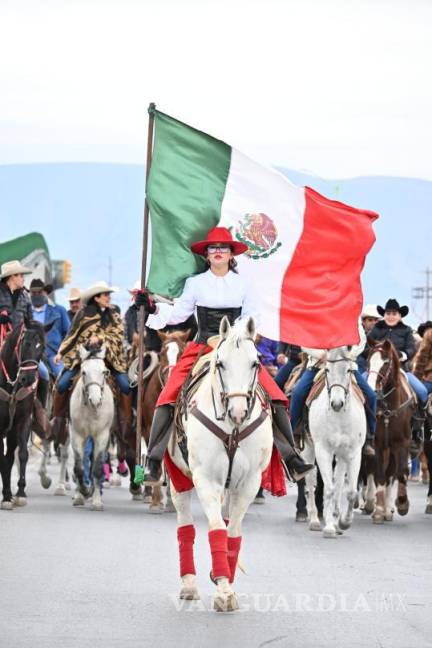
52 316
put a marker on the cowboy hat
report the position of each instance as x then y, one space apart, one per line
12 268
219 235
74 294
38 284
370 310
96 289
424 327
393 305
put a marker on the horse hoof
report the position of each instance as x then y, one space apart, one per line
314 526
344 525
428 509
20 501
226 603
97 507
329 533
369 507
156 510
45 481
189 594
115 480
68 486
169 507
147 499
301 516
78 500
137 497
388 517
60 490
6 506
378 518
402 510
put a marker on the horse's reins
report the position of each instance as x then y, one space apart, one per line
387 413
23 392
225 396
346 389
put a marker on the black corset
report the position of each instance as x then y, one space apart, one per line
209 320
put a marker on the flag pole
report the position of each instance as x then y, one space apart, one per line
138 468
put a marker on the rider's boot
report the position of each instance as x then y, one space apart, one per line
41 422
417 429
159 437
368 448
125 415
60 410
284 442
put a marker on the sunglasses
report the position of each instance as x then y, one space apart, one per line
218 248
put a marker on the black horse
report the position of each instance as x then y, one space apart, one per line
19 360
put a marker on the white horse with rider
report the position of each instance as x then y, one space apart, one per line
337 427
91 415
229 441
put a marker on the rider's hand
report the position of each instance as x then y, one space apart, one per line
4 318
142 299
57 358
94 340
281 358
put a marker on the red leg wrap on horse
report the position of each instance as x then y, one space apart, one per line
186 538
219 552
233 553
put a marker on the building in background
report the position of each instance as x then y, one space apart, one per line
32 251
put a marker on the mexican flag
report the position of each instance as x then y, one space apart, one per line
306 252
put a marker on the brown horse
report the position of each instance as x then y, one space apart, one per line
173 345
395 407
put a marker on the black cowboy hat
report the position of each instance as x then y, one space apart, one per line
424 327
38 284
393 305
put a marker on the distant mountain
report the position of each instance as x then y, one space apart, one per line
91 212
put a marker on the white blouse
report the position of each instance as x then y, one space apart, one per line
208 290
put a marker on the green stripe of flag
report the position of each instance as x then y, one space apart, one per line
185 190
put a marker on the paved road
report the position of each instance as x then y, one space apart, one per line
78 578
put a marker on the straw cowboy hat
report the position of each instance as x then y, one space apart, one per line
12 268
370 310
74 294
219 235
96 289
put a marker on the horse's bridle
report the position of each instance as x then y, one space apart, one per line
384 377
23 365
86 386
345 388
225 396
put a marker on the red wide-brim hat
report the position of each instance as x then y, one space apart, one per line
219 235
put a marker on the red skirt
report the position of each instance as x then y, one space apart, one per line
187 360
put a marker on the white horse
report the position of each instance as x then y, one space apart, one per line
224 411
63 483
337 424
91 415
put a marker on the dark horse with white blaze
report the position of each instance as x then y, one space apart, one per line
19 361
395 407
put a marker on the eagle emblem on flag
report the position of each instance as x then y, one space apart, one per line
259 233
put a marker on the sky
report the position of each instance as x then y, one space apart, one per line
334 88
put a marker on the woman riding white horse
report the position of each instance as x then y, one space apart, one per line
219 292
96 324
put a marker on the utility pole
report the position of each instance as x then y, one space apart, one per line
110 271
424 292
